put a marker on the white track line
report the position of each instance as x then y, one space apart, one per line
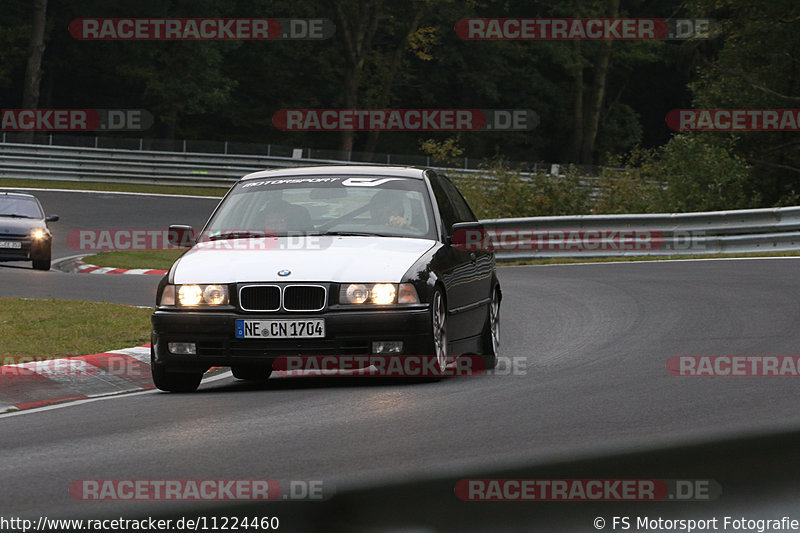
101 397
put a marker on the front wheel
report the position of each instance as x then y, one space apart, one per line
491 332
439 331
173 381
251 373
41 264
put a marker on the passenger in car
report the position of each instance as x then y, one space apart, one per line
386 209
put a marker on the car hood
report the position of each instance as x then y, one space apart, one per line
19 226
313 258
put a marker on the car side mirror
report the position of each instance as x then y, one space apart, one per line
467 236
181 236
52 218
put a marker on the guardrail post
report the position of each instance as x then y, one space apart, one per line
51 139
226 148
269 150
184 146
141 144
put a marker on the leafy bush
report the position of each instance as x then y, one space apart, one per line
701 173
499 192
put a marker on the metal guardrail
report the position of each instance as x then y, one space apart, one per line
740 231
753 230
65 163
115 142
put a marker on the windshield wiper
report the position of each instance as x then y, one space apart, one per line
240 235
14 215
348 234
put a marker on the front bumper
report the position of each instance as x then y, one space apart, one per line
30 249
347 333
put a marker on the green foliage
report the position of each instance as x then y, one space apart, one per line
443 153
500 192
702 173
627 191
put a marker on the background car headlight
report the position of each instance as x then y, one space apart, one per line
378 293
195 295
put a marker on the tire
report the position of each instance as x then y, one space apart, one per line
41 264
252 373
439 331
491 332
173 381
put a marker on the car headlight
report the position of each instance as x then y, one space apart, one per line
194 295
378 294
38 234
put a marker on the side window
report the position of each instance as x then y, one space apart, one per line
462 209
446 208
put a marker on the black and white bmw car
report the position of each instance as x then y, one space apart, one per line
335 261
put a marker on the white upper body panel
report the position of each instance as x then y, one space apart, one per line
309 258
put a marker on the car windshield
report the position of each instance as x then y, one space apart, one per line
19 207
313 205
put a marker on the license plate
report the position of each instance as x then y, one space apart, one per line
14 245
280 329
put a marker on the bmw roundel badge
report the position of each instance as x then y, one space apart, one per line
284 272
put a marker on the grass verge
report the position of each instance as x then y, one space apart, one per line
112 187
57 328
151 259
572 260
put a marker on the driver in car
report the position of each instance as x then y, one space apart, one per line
282 216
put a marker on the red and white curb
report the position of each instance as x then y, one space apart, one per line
85 268
37 383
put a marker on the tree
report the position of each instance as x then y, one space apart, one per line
756 65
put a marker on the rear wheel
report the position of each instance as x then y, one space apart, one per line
491 332
252 373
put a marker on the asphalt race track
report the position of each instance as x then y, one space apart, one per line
592 398
100 211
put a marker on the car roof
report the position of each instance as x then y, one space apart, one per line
17 194
350 170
